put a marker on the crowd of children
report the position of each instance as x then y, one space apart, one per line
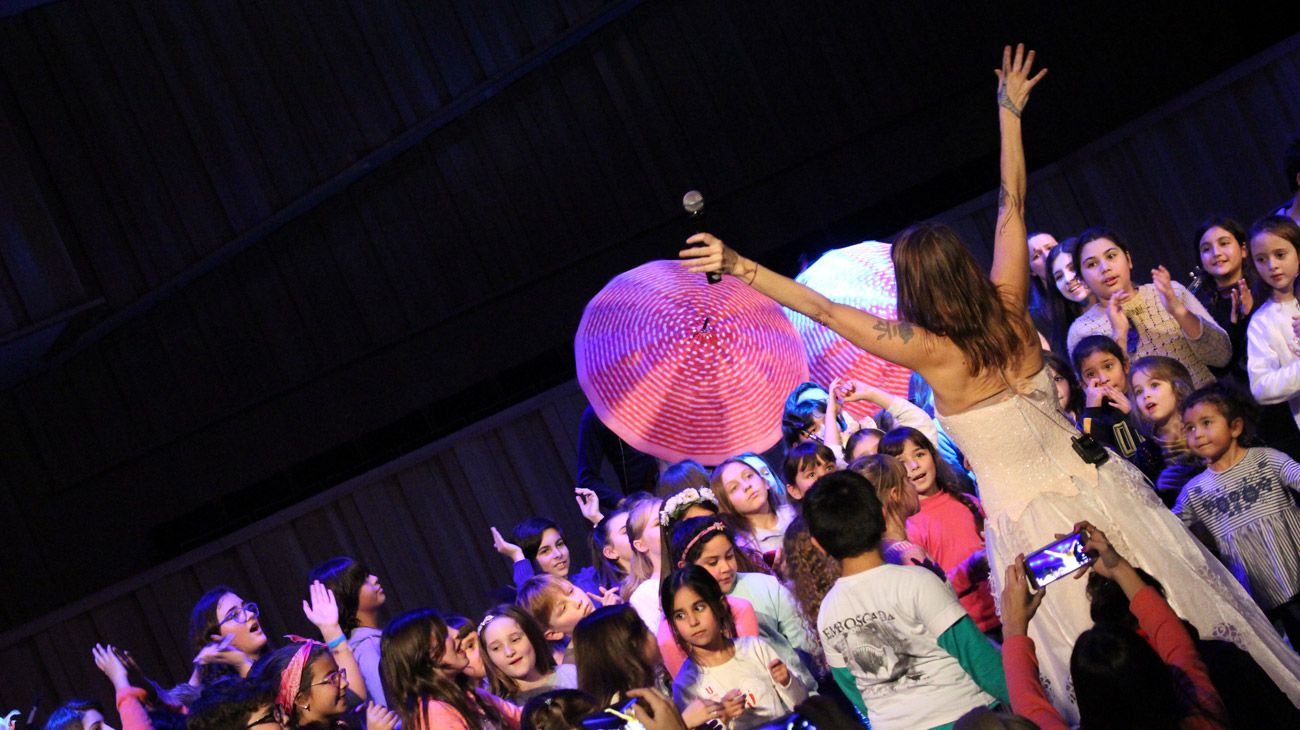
857 588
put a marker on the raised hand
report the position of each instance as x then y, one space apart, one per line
1018 603
323 610
1243 301
111 665
379 717
1169 298
508 549
1118 319
588 505
1014 82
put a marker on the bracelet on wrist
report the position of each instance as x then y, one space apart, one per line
341 638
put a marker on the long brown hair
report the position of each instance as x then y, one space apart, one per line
608 647
942 289
811 573
737 522
410 655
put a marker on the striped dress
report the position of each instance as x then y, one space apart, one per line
1254 520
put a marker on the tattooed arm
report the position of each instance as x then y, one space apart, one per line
898 342
1010 249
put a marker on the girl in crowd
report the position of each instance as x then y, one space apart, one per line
1068 297
710 543
805 463
1273 355
1107 411
467 643
1160 318
750 506
1068 393
359 596
312 688
424 678
1120 679
1159 385
226 633
611 551
1258 535
1227 292
559 709
540 547
754 685
864 443
557 605
642 585
1231 293
683 475
519 662
616 653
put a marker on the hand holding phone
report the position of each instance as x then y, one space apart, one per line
1057 560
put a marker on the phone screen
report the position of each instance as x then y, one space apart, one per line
1056 560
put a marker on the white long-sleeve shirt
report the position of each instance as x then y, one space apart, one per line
1271 356
747 671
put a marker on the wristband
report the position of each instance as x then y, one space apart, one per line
335 643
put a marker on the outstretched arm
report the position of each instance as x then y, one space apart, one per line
897 342
1010 247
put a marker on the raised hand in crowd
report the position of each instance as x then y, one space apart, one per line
1119 324
505 547
111 664
588 505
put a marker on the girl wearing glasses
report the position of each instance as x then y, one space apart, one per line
226 636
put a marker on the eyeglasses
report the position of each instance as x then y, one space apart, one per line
276 715
336 678
241 614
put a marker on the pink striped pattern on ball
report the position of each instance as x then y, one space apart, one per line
861 276
682 369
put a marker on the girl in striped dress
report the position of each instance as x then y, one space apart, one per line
1241 499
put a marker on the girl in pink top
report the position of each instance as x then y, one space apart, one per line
424 679
949 526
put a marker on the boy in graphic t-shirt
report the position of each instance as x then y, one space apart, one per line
898 642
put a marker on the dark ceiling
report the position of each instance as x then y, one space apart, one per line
251 249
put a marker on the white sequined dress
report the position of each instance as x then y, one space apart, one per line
1033 485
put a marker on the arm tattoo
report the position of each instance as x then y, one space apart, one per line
889 330
1007 204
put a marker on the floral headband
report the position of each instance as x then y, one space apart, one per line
715 527
678 503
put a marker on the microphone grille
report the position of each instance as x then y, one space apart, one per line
693 202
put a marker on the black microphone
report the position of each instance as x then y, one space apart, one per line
693 202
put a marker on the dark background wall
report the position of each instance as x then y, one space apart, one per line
252 249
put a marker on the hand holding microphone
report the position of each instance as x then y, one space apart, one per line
693 202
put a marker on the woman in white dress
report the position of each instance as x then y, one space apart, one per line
971 338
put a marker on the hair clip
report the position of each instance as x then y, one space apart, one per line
486 620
